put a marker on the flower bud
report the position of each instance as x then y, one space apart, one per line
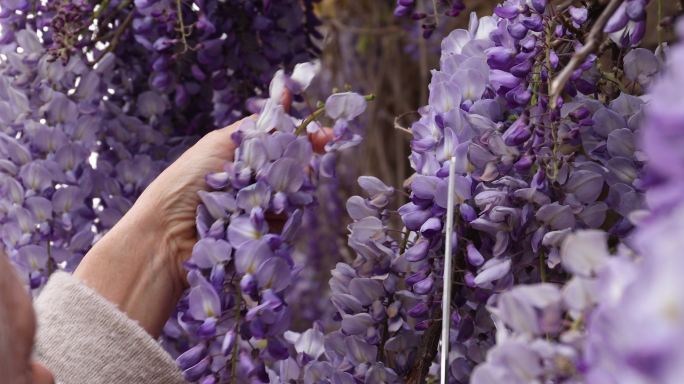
191 357
499 58
419 310
416 277
198 370
401 10
418 251
518 132
517 30
539 5
474 256
424 286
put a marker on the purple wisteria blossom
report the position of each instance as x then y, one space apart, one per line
568 213
527 176
242 268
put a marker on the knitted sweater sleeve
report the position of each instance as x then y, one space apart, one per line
83 338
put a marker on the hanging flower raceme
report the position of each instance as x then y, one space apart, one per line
49 130
527 173
614 319
74 159
220 51
374 340
633 332
86 102
242 266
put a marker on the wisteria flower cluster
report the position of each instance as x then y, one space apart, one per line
616 320
86 127
189 51
46 139
220 51
242 266
59 196
564 133
529 173
87 123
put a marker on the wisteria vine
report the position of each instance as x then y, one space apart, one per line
566 139
236 310
99 97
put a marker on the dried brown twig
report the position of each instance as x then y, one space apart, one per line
399 126
564 5
426 354
592 43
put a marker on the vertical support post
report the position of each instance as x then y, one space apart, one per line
446 288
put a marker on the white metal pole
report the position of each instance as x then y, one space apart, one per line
446 289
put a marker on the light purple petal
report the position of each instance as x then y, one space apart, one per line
253 153
274 273
374 186
203 300
151 104
445 95
556 216
358 351
255 195
208 252
303 74
493 270
366 290
357 324
33 257
584 252
585 185
345 106
359 209
243 229
286 175
532 309
250 255
219 204
641 65
310 343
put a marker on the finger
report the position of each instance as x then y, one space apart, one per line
223 136
227 131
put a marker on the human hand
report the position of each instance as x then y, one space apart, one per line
172 198
138 265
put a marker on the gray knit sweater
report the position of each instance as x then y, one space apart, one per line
83 338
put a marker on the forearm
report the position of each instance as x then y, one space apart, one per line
138 264
83 338
130 267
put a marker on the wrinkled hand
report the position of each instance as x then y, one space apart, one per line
138 264
172 197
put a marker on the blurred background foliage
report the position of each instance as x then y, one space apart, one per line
367 48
